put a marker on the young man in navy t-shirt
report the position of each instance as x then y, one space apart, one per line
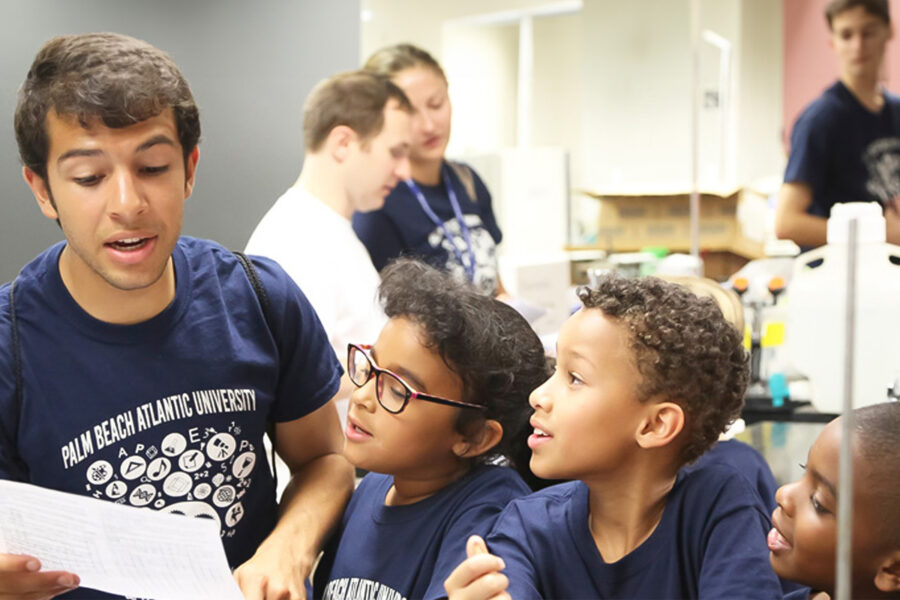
647 377
141 367
845 146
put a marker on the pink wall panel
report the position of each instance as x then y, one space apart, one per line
809 64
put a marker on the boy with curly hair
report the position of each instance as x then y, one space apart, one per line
648 376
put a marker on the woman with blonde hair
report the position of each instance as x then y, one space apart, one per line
443 212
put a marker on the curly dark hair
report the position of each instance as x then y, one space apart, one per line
113 77
684 349
487 343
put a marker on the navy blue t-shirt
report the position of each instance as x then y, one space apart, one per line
751 465
399 552
402 227
710 543
748 462
170 413
845 152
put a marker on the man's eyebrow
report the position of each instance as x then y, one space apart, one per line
78 152
89 152
156 139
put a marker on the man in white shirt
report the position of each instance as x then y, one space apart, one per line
357 129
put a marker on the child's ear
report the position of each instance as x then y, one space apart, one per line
661 424
887 579
481 441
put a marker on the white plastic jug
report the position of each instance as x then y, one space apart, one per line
817 311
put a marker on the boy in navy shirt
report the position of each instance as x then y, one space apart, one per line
648 376
804 536
845 145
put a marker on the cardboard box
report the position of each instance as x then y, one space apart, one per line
631 221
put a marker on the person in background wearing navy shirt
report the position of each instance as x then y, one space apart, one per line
648 376
138 365
442 214
845 146
442 397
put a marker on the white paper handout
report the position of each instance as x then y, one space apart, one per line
119 549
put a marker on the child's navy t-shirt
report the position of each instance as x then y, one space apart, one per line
394 552
710 543
747 461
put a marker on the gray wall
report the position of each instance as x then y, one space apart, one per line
250 65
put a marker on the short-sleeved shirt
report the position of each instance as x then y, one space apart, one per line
709 543
318 249
844 151
399 552
170 413
402 227
745 459
750 464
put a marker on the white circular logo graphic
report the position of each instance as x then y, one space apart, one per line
99 472
221 446
200 510
133 467
142 495
234 514
202 491
173 444
191 461
159 468
243 464
224 496
116 489
178 484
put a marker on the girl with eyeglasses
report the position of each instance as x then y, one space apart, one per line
442 400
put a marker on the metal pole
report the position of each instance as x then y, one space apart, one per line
525 89
695 128
844 555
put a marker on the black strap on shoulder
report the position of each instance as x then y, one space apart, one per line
19 400
256 282
263 298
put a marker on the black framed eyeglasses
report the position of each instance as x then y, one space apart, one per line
392 392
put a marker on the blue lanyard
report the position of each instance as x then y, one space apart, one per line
469 265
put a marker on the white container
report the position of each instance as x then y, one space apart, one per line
684 265
817 312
